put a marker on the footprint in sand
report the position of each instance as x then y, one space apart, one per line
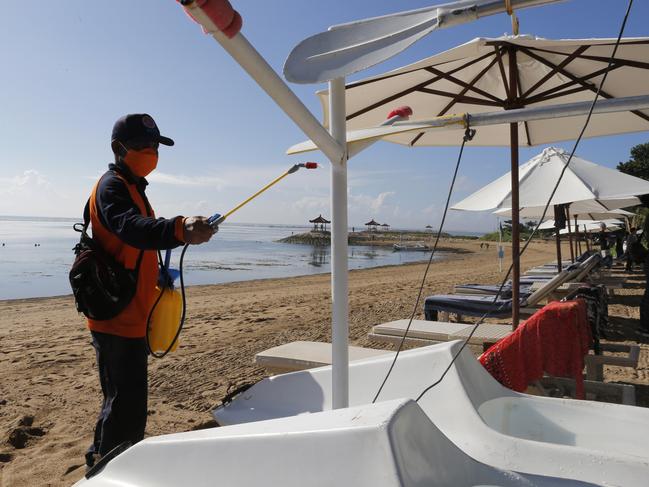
21 436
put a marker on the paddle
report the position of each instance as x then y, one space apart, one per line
347 48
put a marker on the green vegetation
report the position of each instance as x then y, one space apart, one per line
638 165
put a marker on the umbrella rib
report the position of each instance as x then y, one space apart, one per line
411 89
501 66
462 99
578 80
461 96
360 83
464 84
549 75
519 89
552 92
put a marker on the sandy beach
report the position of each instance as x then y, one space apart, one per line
49 392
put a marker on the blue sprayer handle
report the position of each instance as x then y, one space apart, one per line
167 276
215 220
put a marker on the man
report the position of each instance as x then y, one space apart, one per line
631 249
644 302
123 223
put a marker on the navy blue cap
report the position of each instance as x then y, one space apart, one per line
138 126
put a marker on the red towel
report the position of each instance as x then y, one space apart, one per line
553 340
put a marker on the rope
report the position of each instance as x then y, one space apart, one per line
468 135
554 190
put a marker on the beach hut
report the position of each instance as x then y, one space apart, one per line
319 221
372 225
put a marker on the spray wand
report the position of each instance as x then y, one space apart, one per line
168 276
217 218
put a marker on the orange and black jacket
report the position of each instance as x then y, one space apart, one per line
124 224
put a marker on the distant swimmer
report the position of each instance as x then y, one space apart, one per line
123 223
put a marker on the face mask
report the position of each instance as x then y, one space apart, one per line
141 162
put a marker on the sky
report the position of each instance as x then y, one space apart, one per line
70 69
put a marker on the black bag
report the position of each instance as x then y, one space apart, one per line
102 287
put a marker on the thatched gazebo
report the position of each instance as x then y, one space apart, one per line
372 225
319 221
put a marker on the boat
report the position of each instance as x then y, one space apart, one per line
413 247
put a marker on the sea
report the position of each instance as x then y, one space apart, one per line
36 255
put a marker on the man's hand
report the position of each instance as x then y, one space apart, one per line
197 230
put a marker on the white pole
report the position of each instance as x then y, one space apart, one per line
339 285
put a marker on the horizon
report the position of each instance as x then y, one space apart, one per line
271 224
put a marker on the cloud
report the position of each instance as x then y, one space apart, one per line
318 204
376 203
28 180
31 193
182 180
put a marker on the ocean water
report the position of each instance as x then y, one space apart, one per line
37 254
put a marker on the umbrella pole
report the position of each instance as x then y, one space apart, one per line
513 145
557 217
572 253
516 241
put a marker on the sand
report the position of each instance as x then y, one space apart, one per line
49 391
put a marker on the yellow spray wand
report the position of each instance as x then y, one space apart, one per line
217 218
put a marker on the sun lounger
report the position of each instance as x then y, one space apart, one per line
302 355
577 273
424 332
475 305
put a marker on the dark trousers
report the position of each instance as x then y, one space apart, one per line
122 364
644 303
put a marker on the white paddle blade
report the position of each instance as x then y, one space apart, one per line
349 48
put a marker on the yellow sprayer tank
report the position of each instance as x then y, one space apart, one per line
165 320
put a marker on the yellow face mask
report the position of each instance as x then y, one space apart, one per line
141 162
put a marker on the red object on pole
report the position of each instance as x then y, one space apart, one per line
225 18
404 112
311 165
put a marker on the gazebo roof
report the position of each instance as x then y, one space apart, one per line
319 220
372 222
384 225
428 226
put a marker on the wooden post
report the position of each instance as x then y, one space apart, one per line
557 217
572 254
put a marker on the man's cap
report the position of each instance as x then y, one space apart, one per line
138 126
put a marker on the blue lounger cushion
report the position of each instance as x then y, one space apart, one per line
467 305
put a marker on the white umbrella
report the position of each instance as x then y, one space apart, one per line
474 77
593 227
505 73
589 224
583 180
585 210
